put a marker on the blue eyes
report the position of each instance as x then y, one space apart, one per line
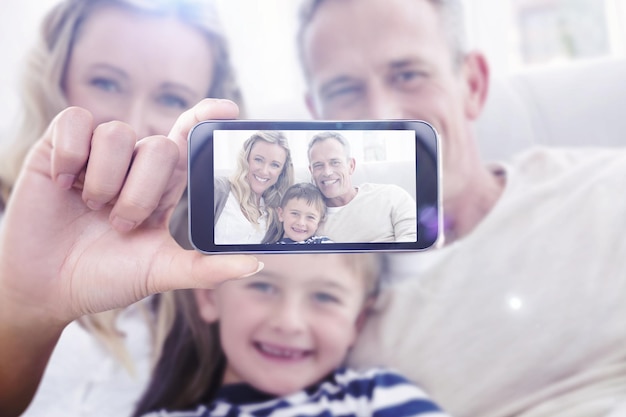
105 84
319 297
407 79
260 160
333 163
399 79
344 92
171 100
262 287
325 298
164 99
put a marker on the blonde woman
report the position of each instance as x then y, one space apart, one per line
246 203
142 62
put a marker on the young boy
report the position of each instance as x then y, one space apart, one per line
301 210
280 346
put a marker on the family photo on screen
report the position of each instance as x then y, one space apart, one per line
303 187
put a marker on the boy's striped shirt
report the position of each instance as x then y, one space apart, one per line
346 393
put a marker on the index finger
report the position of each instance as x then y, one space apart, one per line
70 135
207 109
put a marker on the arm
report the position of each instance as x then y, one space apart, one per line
86 231
403 216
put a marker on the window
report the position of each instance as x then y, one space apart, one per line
546 32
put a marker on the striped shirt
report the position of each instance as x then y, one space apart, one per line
376 392
313 240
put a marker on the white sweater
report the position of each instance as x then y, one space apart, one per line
526 316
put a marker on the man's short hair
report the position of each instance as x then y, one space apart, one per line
450 11
320 137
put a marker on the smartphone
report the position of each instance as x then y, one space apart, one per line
314 186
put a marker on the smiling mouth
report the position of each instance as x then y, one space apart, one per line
298 230
326 183
282 353
259 179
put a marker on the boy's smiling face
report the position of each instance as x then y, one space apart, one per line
290 325
300 219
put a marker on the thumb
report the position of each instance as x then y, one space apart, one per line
183 269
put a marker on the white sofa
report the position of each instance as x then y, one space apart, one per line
580 105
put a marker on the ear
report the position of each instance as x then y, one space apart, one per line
476 74
310 105
207 305
352 165
279 210
361 318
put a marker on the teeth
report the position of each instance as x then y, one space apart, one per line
329 182
283 353
261 179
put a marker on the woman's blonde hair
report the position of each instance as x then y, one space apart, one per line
43 75
272 196
42 95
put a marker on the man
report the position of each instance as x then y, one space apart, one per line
508 318
368 213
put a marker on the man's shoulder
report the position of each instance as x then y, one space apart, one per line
556 159
370 187
541 164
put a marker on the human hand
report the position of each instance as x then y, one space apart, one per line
86 228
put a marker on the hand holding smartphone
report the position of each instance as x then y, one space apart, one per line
314 186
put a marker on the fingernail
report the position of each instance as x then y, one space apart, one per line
260 266
122 225
66 181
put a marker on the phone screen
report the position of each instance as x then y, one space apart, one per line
320 186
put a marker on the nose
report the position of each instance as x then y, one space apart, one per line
327 170
289 317
141 120
383 103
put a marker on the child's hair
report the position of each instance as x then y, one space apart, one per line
304 191
192 363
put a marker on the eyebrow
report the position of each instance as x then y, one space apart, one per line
401 63
176 86
317 282
326 283
266 275
345 79
108 67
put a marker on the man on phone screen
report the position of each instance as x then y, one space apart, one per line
367 213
